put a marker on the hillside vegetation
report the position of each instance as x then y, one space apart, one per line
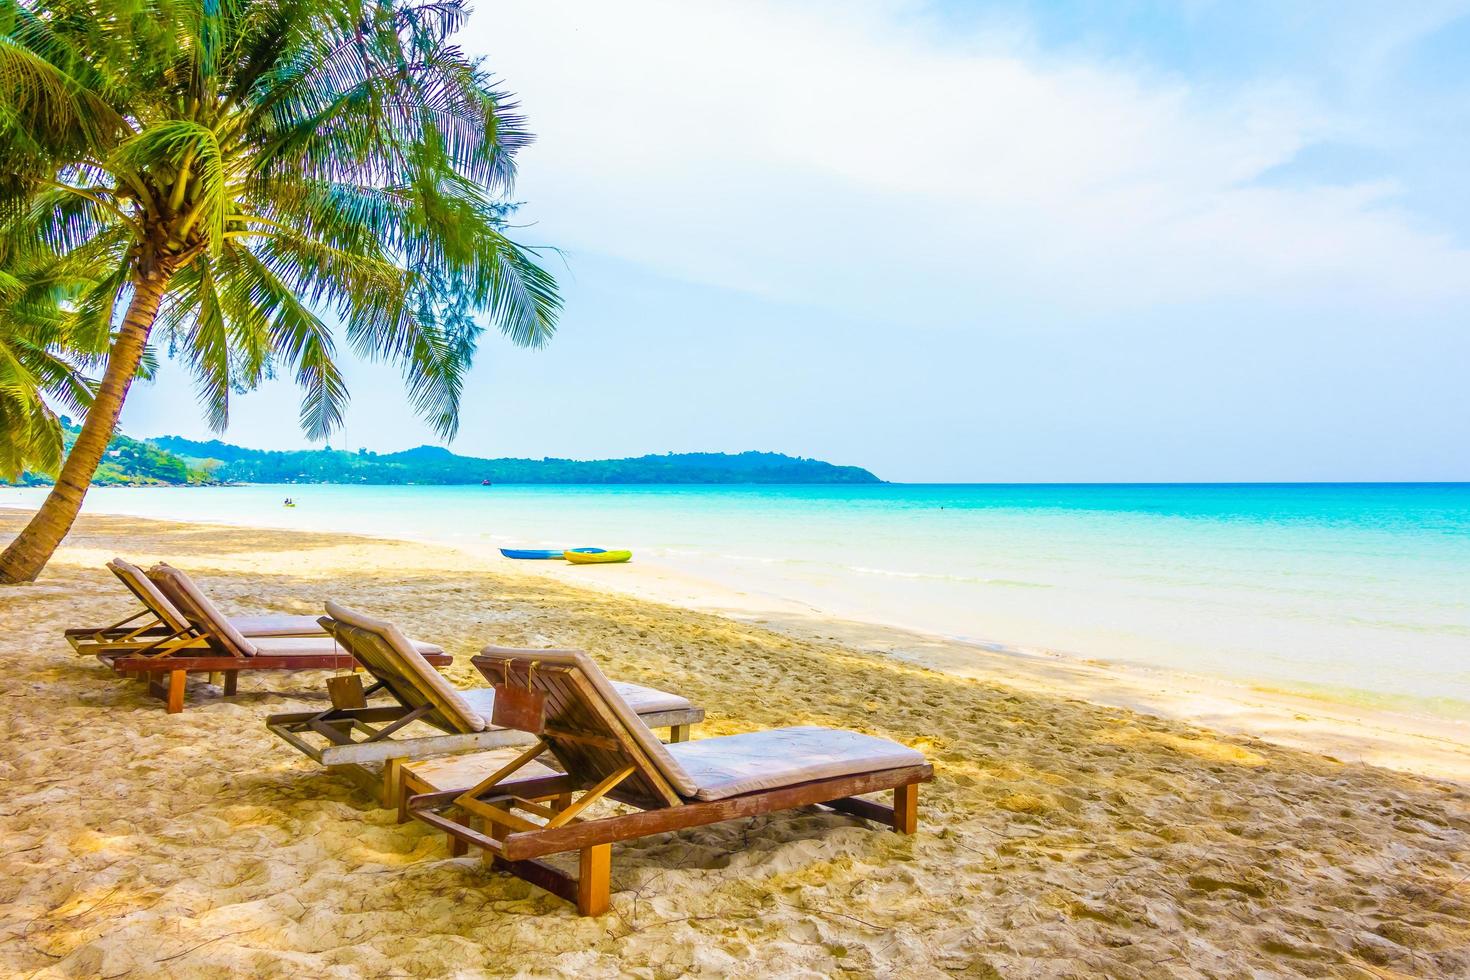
175 461
132 463
436 465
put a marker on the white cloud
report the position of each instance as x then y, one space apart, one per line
847 155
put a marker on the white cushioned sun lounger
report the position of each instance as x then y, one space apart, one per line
606 755
158 619
211 643
347 736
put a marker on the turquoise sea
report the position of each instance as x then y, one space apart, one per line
1351 591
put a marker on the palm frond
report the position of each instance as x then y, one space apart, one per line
298 173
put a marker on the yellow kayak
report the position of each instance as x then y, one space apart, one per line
596 558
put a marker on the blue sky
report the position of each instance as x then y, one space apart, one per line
1019 241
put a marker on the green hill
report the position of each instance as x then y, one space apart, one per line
132 463
175 461
437 465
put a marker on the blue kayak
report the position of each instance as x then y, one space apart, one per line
540 554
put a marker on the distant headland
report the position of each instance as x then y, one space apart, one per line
175 461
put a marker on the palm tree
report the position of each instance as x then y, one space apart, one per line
40 359
235 170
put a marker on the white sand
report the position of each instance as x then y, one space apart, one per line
1061 837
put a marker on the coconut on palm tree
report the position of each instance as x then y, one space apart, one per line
235 174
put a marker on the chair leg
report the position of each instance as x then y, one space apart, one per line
906 808
176 681
394 793
594 880
679 733
490 828
457 847
232 682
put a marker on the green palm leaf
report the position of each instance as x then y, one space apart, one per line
262 180
280 176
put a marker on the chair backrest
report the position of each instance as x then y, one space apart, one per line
202 614
581 701
388 655
141 586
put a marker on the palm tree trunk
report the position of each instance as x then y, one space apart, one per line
33 547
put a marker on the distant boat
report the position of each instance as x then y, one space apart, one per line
545 554
583 557
485 483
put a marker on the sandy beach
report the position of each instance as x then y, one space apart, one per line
1413 741
1067 833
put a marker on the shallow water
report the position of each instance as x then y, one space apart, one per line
1356 592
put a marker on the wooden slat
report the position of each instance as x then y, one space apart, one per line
530 806
289 735
372 713
337 733
496 815
600 741
569 813
374 652
197 616
685 718
158 646
572 703
454 829
648 774
519 762
867 809
535 788
423 747
315 661
696 814
143 597
541 875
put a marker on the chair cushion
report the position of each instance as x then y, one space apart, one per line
398 657
649 700
317 646
677 778
643 700
257 626
148 593
203 614
729 765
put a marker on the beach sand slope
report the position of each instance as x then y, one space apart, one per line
1060 838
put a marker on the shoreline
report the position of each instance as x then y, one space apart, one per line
1419 743
1422 744
1220 626
1371 630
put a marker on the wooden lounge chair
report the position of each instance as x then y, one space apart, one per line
159 620
606 754
212 645
347 736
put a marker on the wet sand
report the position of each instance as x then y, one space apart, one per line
1061 836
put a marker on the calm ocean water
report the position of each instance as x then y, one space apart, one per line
1359 592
